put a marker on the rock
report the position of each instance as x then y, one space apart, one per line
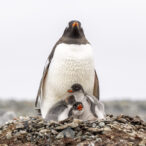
107 128
19 126
98 140
79 133
54 131
44 131
101 124
94 125
9 135
60 135
95 130
72 125
66 133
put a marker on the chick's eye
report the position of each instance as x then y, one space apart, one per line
77 88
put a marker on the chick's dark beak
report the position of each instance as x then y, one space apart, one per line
75 24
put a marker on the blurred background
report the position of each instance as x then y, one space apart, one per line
115 28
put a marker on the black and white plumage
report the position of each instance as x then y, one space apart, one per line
93 108
71 61
65 109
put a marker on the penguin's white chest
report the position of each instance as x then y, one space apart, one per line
70 64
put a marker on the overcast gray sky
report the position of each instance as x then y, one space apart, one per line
115 28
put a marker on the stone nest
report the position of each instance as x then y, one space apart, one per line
31 131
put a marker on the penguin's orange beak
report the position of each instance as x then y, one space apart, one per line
75 24
80 107
69 91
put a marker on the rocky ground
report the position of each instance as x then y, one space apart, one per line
114 131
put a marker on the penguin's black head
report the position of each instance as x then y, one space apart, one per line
74 30
75 88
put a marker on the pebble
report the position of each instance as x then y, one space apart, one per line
98 140
97 130
84 137
44 131
19 126
60 135
115 122
122 120
101 124
142 145
17 134
23 132
9 135
141 130
94 125
107 128
68 132
72 125
79 133
54 131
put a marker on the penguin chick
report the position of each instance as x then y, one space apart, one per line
65 109
92 107
77 110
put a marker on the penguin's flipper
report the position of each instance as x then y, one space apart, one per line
92 105
46 68
96 86
97 107
41 83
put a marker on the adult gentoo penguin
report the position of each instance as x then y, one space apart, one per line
71 61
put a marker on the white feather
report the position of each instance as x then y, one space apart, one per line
64 114
70 64
100 111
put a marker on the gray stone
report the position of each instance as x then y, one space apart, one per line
107 128
44 131
54 131
101 124
68 132
93 125
98 140
60 135
19 126
9 135
79 133
23 132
